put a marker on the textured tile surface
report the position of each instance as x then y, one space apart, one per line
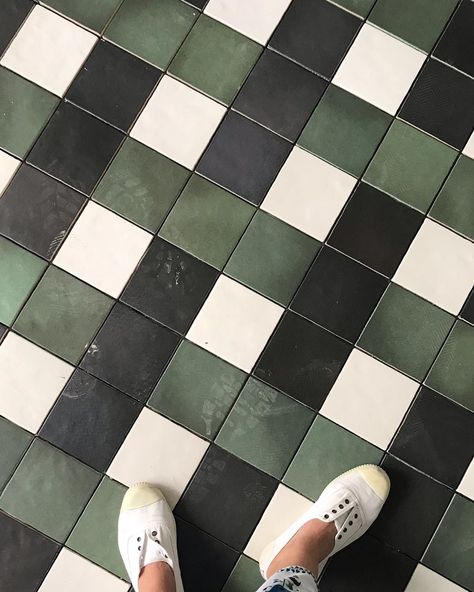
236 243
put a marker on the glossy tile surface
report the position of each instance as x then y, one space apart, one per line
197 389
303 360
279 94
43 227
235 261
443 448
259 413
49 490
90 420
215 59
75 147
113 85
26 108
63 314
144 348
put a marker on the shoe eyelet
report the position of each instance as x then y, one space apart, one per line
154 533
350 523
346 501
326 516
339 536
139 539
341 506
334 511
355 515
344 530
139 548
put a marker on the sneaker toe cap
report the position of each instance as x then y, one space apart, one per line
377 479
140 495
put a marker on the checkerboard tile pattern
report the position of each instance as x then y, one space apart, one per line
235 263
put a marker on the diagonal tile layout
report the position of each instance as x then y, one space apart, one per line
236 260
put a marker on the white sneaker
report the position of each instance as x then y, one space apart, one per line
147 532
352 501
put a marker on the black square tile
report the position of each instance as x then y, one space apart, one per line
456 46
440 103
205 562
303 360
170 285
280 95
315 33
376 229
113 84
90 420
367 566
130 352
436 437
339 293
12 15
25 556
75 147
226 497
3 331
197 3
412 511
467 312
244 157
36 211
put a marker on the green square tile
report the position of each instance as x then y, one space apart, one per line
450 551
419 22
344 130
24 110
13 443
152 29
63 314
207 221
360 7
406 331
19 272
410 165
272 257
197 389
89 13
453 371
141 185
49 490
244 577
265 427
95 534
454 205
327 451
215 59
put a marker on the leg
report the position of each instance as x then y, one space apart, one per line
344 511
157 577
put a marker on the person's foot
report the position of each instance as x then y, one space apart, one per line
147 533
344 511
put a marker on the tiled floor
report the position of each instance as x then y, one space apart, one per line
236 256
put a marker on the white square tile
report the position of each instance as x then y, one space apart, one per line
48 50
31 381
285 507
369 398
308 193
255 18
160 452
379 68
235 323
468 149
425 580
466 487
438 266
8 166
103 249
178 121
73 573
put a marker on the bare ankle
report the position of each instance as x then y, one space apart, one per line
157 577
